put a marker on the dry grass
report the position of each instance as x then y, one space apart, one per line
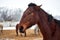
11 35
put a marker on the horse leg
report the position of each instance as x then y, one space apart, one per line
17 30
35 31
16 33
25 33
2 30
38 31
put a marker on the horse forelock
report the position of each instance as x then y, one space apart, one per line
32 4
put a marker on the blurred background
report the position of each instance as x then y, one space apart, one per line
11 11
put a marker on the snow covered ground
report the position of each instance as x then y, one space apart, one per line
12 25
8 25
9 28
13 28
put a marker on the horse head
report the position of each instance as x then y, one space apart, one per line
29 17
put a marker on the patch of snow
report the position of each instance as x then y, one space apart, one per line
9 28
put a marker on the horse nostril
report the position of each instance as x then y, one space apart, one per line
21 29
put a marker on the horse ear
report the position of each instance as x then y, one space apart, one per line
40 5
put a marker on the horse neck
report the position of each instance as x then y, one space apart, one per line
43 24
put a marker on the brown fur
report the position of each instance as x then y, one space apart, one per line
36 15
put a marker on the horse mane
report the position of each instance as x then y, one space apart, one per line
32 4
50 18
57 21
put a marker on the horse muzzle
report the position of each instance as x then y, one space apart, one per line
21 29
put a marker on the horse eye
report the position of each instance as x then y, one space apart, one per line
29 13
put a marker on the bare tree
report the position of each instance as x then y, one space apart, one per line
4 14
9 15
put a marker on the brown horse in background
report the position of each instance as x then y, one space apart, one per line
20 30
36 15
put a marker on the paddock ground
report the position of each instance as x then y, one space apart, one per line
11 35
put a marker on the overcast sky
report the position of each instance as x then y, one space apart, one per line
51 6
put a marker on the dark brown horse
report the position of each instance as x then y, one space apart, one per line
36 30
19 28
36 15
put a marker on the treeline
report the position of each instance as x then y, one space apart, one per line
10 14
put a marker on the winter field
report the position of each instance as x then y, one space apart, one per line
9 25
10 34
